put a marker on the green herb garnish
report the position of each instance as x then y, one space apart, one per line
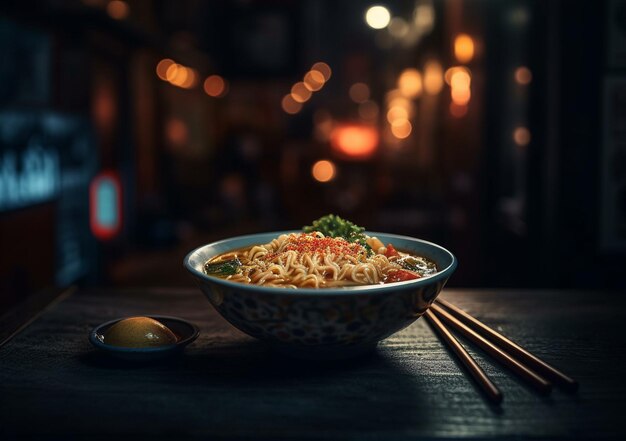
223 268
333 226
418 265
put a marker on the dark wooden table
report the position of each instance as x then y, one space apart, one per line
53 384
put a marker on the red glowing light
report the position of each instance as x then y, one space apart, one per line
354 141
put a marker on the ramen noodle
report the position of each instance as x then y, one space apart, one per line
315 260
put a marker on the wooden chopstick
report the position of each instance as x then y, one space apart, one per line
487 386
540 384
514 349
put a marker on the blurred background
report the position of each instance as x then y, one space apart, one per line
133 131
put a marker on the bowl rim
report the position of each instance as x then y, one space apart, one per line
347 290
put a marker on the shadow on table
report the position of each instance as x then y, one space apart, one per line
250 384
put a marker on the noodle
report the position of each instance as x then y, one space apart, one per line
312 260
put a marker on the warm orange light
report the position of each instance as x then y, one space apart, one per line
395 98
354 141
368 110
521 136
460 80
455 69
300 93
118 9
400 102
410 83
359 92
460 96
162 67
397 113
323 171
215 86
401 128
177 132
289 105
523 75
191 80
458 111
433 77
177 74
171 72
314 80
463 48
104 106
324 69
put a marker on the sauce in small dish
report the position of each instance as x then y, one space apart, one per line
143 338
139 332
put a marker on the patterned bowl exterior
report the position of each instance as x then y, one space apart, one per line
322 323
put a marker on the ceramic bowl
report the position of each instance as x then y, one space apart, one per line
322 323
185 331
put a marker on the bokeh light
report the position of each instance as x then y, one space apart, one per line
354 141
410 83
400 101
314 80
323 171
324 124
215 86
300 93
521 136
162 67
424 18
191 80
397 113
460 80
523 75
454 69
458 111
433 77
177 132
118 9
460 96
368 110
289 105
398 27
377 17
324 69
463 48
359 92
401 128
176 74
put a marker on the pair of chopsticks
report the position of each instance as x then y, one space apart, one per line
530 368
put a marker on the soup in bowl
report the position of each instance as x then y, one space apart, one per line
311 297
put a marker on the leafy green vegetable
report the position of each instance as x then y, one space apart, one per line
334 226
418 265
223 268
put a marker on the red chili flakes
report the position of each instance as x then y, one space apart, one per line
312 244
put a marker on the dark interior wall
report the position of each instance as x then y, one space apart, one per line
515 215
582 61
559 243
25 270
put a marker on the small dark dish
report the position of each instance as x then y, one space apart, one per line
185 332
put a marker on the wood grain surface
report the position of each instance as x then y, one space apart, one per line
226 385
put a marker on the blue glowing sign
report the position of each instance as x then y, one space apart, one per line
106 205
